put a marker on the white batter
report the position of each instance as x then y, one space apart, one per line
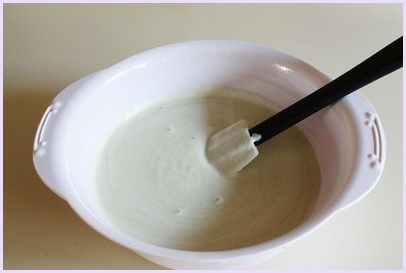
156 184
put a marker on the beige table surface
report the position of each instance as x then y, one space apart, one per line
48 46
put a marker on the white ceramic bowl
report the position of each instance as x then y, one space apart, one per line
347 136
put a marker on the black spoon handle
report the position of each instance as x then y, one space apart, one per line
385 61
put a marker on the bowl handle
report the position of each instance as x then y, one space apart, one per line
42 150
369 167
47 161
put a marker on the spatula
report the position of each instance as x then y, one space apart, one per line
231 149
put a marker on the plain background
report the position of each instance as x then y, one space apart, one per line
48 46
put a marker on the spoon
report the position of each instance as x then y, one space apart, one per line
233 148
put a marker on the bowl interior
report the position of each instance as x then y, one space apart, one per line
110 97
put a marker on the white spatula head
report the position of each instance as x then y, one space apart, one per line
231 149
